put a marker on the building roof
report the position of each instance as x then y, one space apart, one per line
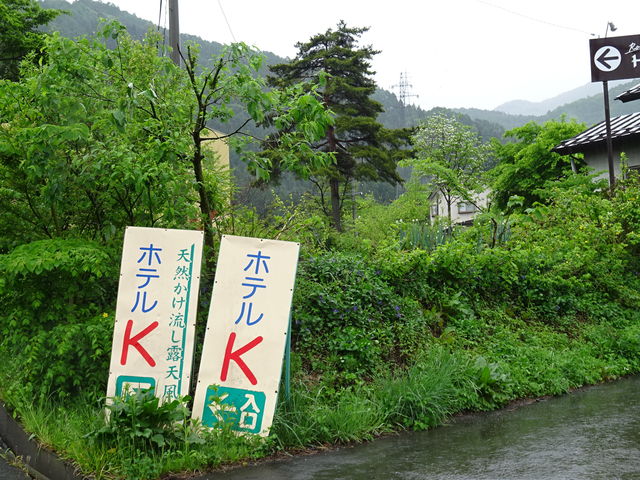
623 126
632 94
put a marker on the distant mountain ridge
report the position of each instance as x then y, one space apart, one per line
587 109
526 107
83 19
584 103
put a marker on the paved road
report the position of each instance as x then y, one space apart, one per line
9 472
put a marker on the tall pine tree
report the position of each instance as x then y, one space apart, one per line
19 34
362 147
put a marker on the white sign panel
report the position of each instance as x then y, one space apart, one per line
246 334
156 312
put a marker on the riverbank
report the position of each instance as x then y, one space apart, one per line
55 470
445 381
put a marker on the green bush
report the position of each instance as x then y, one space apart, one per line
66 359
55 296
347 322
48 282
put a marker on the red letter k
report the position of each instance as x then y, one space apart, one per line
135 343
229 355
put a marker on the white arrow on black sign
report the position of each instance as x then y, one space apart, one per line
607 58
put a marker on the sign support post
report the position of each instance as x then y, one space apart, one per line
607 120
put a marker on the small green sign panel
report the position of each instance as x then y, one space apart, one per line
129 384
242 409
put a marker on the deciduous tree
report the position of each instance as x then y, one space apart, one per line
99 138
451 156
527 162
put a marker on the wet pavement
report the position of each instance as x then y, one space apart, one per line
591 434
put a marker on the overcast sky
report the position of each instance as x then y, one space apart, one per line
456 53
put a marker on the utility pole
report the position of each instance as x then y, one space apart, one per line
607 118
174 31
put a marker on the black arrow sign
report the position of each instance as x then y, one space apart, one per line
603 59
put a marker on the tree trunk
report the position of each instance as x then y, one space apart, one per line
448 197
205 206
334 183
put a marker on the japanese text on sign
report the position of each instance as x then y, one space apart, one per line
155 313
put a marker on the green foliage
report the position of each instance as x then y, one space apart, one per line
20 35
377 224
94 142
106 137
233 77
54 295
309 419
424 394
69 358
49 282
450 156
138 421
419 396
486 129
424 236
127 449
395 328
527 163
342 299
559 262
626 212
139 430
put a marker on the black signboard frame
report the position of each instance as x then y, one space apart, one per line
615 58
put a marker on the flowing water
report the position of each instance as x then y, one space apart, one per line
589 434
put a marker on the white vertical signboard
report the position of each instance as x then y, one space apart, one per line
246 334
156 312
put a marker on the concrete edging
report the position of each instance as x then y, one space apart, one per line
40 462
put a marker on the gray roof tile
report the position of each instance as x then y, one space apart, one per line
632 94
622 126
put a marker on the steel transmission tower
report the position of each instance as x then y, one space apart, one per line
403 89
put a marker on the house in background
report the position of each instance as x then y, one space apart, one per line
625 138
219 146
462 213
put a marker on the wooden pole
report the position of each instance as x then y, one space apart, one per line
174 31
